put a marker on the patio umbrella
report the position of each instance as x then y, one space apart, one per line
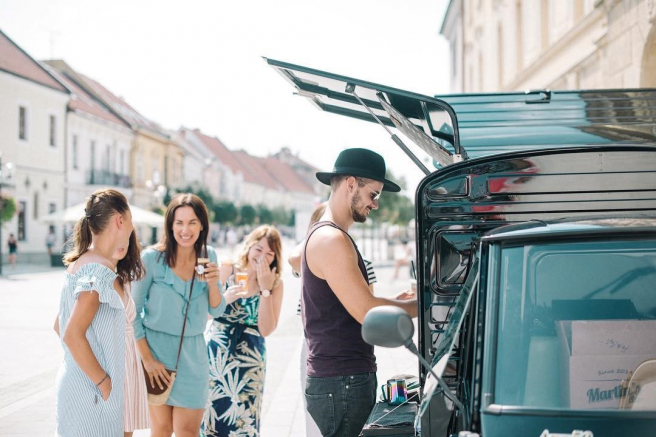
72 214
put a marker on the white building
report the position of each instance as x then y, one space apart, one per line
32 138
199 166
98 143
232 185
517 45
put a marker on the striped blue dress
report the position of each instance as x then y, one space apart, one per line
81 410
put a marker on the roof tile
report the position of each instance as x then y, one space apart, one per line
16 61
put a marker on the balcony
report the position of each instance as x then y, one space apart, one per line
107 178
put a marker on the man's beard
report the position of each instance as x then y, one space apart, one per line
357 217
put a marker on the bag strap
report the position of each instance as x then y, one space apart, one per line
184 323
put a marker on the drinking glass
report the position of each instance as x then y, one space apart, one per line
201 265
241 277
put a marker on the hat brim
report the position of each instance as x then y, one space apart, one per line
325 176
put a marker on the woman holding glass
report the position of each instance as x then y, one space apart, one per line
236 345
163 295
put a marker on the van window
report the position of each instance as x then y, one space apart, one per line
575 321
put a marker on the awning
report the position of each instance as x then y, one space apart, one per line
72 214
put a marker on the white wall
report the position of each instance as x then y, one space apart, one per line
38 180
516 45
82 130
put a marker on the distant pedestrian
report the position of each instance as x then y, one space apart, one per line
231 238
236 346
13 249
91 320
51 238
405 254
168 299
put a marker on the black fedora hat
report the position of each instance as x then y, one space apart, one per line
359 162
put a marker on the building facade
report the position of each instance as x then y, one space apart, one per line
32 140
65 135
98 143
155 159
200 166
518 45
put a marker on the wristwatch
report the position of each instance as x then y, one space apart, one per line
265 293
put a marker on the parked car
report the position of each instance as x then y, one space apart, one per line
536 248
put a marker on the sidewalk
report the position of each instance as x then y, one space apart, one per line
29 298
24 268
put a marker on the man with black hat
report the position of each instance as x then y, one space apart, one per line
341 367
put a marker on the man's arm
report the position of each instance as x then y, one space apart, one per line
294 258
331 256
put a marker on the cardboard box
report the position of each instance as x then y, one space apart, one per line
597 355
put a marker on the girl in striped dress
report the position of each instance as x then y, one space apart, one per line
90 382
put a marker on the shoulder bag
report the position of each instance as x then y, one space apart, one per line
157 395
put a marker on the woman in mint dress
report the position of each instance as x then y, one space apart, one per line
91 319
161 299
236 347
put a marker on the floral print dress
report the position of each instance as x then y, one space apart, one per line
237 355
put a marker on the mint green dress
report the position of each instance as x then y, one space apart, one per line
161 298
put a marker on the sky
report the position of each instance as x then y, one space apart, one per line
199 63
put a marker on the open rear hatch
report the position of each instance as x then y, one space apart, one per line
429 122
451 128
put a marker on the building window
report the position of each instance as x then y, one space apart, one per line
36 205
454 56
22 230
140 167
519 50
544 24
53 131
113 167
166 170
92 158
74 152
52 207
22 122
481 69
500 49
121 163
578 10
108 155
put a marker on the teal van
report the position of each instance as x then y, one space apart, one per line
536 249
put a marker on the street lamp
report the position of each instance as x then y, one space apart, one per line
10 168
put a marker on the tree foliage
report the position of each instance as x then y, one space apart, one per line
247 215
225 212
281 216
264 214
8 205
394 208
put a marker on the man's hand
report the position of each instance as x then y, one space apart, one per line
406 295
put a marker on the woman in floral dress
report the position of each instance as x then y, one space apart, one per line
236 344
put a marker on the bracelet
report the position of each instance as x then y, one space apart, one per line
103 380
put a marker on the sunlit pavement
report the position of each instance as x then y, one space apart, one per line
29 298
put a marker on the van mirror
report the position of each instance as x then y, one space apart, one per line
387 326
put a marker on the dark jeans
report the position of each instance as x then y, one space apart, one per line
340 405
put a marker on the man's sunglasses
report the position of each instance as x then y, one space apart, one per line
375 195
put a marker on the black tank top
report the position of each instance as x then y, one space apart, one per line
333 336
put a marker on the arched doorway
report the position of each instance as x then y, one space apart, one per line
648 67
